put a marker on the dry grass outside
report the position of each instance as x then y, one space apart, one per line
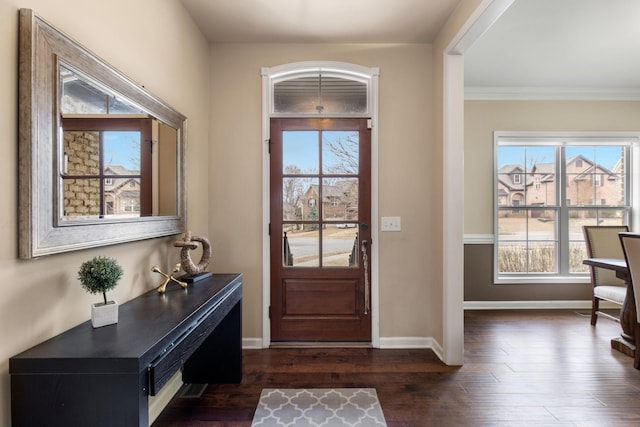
540 259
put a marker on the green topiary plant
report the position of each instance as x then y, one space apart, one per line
99 275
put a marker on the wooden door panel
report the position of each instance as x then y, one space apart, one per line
326 329
320 297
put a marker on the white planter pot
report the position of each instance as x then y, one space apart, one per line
104 314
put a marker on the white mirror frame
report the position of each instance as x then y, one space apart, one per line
41 47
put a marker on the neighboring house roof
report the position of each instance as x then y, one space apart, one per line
546 173
339 190
118 183
120 170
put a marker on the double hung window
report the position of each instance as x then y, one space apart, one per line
547 186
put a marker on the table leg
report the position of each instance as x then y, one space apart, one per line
626 343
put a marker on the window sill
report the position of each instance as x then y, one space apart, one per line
542 280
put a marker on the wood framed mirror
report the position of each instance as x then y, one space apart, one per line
101 160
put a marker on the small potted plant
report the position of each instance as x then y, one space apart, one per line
99 275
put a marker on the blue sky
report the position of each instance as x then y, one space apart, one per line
122 148
606 156
301 148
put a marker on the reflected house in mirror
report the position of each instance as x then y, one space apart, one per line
101 160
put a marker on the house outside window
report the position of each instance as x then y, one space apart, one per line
539 219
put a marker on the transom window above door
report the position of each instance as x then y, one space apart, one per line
313 89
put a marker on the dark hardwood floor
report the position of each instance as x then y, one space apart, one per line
521 368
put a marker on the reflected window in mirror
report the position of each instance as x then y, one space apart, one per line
80 95
106 167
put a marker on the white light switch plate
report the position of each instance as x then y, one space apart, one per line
390 223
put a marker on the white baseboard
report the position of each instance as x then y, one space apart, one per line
252 343
385 343
412 342
534 305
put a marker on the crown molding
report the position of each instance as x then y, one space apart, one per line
498 93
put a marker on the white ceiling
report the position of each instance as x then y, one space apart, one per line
320 21
580 49
553 48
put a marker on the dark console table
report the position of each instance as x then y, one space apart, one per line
103 377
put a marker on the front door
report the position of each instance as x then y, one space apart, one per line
320 236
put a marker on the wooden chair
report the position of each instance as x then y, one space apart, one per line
602 241
631 247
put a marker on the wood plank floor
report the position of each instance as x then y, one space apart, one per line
522 368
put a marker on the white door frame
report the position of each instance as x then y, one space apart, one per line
453 187
350 71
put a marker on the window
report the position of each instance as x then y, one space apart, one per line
517 179
105 165
596 180
538 220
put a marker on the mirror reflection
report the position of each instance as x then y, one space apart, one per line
117 161
101 160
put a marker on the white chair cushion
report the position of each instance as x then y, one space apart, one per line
611 293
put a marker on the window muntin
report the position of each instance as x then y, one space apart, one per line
105 167
320 194
565 183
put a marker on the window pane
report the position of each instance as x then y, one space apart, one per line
527 241
343 96
340 152
339 246
340 199
577 253
299 196
542 257
121 153
594 175
581 217
81 153
542 241
320 94
81 96
526 176
300 152
512 257
81 197
123 194
301 246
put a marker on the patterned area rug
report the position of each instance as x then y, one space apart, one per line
319 407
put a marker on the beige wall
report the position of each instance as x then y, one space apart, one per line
154 43
482 118
409 260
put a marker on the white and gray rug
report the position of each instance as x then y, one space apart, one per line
319 407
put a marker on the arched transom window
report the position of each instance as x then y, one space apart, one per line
313 88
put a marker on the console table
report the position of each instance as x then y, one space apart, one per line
103 377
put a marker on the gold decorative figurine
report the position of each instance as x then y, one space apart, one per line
168 278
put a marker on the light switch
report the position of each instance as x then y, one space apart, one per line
390 223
